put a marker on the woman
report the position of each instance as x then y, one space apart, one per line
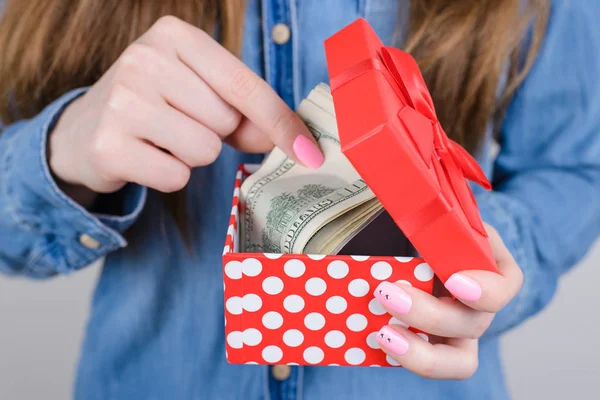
107 107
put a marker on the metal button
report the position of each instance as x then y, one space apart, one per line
281 372
88 241
280 33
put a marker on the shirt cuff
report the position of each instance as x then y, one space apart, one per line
73 236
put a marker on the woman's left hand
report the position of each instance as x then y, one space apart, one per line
454 326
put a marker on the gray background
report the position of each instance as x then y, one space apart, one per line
553 356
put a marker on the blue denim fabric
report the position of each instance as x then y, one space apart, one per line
156 324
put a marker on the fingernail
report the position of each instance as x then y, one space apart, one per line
391 340
308 152
393 298
463 287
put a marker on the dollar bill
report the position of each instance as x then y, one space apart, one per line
287 208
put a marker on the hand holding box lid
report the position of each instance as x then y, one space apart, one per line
390 133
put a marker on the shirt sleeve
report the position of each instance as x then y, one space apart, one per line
546 198
43 232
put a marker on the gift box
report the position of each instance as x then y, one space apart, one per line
389 131
304 309
319 309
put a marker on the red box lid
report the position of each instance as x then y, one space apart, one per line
390 133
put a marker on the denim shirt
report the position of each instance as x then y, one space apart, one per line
156 325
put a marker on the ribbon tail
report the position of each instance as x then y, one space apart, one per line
468 165
462 191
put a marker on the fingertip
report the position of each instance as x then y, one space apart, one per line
308 152
463 287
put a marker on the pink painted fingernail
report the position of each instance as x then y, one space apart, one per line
391 340
463 287
393 298
308 152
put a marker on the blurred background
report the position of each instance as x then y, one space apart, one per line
552 356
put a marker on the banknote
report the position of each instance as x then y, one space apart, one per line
287 208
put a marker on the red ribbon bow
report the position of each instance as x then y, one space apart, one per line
404 76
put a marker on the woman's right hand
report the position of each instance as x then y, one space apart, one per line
164 107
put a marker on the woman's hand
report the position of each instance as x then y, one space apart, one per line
454 326
164 107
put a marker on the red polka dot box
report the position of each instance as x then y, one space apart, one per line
308 309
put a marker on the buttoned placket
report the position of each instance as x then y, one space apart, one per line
279 29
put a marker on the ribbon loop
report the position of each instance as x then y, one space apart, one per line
403 74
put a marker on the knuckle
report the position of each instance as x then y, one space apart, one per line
435 321
481 324
177 179
470 367
119 99
427 367
213 149
282 123
231 120
244 83
138 57
168 25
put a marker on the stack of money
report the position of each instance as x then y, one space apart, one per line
287 208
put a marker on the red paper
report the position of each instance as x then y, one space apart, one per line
308 309
390 133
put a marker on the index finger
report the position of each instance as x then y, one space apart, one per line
239 86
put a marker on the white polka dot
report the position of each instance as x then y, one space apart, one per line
272 354
337 269
381 270
335 339
391 361
293 338
396 321
404 282
404 259
423 336
236 192
360 258
374 365
251 302
233 269
356 322
234 305
231 230
333 365
252 363
372 340
294 268
355 356
313 355
251 267
316 257
272 285
423 272
314 321
315 286
272 320
358 288
375 307
252 337
336 304
292 363
234 210
273 256
234 339
293 303
226 249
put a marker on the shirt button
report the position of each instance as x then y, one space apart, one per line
281 372
88 241
280 33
